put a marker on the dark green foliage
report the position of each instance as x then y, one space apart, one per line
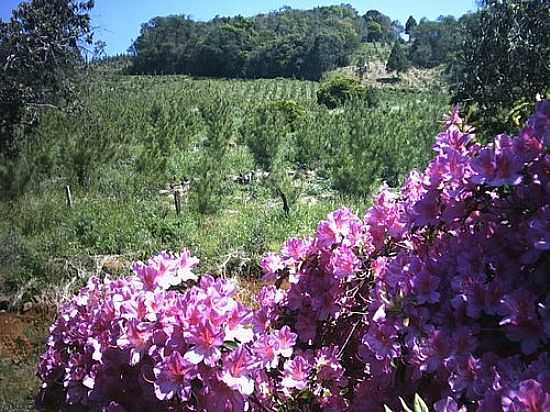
167 43
410 26
370 149
291 111
267 130
435 42
398 61
169 128
285 43
39 49
380 28
209 171
504 60
338 90
39 55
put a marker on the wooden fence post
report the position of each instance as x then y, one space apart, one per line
177 201
69 196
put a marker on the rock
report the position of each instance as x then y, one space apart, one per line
4 303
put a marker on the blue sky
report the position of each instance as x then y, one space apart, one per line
117 22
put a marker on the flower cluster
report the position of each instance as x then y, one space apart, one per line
441 289
156 342
134 344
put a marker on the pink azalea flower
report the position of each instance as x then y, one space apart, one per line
264 349
296 373
425 286
237 370
239 325
207 341
165 270
341 227
284 341
540 121
184 262
381 339
173 378
448 405
498 165
137 338
295 250
529 397
328 366
218 397
344 262
271 264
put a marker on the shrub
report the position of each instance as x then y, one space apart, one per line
368 150
338 90
291 111
267 130
399 302
398 60
440 290
169 130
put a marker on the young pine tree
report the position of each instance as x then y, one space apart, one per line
398 60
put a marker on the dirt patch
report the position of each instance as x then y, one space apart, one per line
22 335
14 343
22 338
247 291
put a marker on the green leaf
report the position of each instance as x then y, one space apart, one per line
404 405
419 404
230 344
306 395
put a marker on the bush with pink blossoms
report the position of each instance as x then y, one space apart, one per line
441 289
135 344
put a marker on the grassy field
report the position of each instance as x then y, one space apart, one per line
238 150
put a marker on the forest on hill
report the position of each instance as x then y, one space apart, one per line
287 43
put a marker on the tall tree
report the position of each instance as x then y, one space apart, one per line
398 60
435 42
410 26
505 58
380 28
39 51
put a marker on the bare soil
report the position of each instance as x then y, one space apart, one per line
22 338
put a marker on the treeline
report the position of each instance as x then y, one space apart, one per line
432 43
285 43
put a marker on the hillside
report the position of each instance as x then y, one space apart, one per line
291 43
413 79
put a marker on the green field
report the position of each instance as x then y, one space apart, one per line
137 135
132 137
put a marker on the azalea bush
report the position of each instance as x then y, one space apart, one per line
441 289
